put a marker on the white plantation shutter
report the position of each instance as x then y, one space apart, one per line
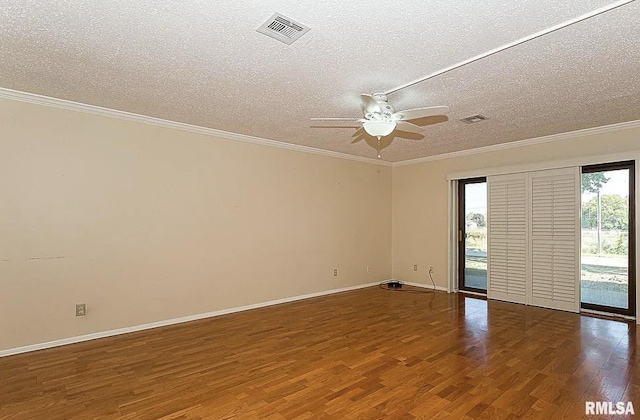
507 238
554 244
533 238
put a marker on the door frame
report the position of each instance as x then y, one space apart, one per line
631 251
461 233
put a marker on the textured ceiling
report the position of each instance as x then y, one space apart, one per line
202 62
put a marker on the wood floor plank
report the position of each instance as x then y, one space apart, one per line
364 354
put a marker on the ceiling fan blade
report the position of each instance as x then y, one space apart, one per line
359 132
369 105
409 127
412 114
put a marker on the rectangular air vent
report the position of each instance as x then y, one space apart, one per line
283 29
473 119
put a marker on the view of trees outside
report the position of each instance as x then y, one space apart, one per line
476 251
476 230
605 237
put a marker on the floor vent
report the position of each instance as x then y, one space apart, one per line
283 29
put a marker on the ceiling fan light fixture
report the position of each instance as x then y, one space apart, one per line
379 128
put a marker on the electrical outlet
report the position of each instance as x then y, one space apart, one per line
368 269
335 272
81 309
431 269
415 267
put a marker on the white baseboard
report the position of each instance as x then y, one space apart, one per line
103 334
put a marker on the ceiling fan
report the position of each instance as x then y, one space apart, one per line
381 119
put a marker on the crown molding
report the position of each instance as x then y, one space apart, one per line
36 99
227 135
527 142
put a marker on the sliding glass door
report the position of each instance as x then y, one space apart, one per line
472 234
608 238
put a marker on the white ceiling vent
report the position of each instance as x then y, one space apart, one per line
282 28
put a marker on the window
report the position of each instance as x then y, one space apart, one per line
607 280
472 235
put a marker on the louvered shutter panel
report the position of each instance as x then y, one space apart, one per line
507 238
554 245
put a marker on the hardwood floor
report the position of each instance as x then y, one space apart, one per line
369 353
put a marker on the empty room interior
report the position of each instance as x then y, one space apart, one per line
337 210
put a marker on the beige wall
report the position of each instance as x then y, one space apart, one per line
146 223
420 196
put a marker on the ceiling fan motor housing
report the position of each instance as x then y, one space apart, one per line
380 97
385 109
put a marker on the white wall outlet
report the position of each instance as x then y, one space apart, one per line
335 272
368 269
431 269
81 309
415 267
